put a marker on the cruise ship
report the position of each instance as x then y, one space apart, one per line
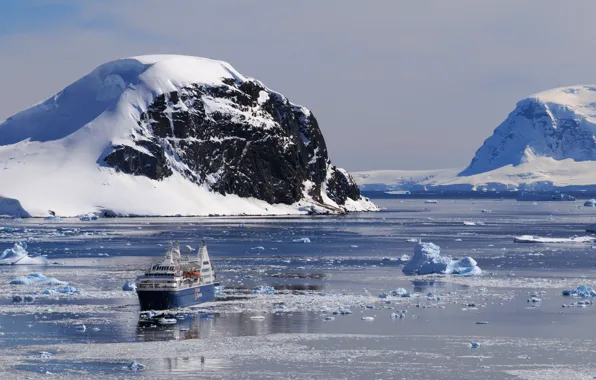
179 280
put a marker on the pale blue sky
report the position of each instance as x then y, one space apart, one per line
394 84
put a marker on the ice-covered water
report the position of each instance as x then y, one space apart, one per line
321 267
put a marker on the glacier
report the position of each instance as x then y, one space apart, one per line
167 135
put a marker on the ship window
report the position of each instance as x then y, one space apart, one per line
205 262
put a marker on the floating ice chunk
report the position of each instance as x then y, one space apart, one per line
18 255
129 286
17 299
399 292
486 211
466 266
37 278
263 289
301 240
330 318
45 355
81 328
135 366
64 290
404 258
431 201
398 315
368 318
474 345
538 239
412 240
466 223
534 299
590 203
427 259
482 322
88 217
260 248
257 317
384 295
580 291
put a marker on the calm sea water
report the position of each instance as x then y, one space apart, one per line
351 256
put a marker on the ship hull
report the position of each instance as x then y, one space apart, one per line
163 300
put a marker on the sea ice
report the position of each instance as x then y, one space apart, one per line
263 289
427 259
538 239
37 278
301 240
64 290
18 255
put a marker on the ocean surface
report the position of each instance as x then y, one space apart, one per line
515 311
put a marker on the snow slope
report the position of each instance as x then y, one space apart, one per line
51 155
547 142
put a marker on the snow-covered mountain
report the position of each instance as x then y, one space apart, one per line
168 135
548 142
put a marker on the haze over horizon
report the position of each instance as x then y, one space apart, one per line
394 85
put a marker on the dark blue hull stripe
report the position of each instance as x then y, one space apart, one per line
162 300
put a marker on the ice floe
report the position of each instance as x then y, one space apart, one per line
18 255
301 240
65 290
37 278
427 259
549 240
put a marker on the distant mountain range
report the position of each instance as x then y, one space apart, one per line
548 142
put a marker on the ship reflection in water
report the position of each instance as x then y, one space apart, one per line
213 325
186 326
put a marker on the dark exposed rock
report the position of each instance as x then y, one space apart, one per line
238 138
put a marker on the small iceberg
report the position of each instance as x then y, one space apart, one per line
590 203
135 366
18 255
549 240
129 286
301 240
88 217
580 291
263 289
427 259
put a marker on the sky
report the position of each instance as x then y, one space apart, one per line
394 84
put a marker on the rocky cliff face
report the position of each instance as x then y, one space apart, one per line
558 123
238 138
171 135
